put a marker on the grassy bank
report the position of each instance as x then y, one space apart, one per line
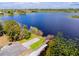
74 16
38 43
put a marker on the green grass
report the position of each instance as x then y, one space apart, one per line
37 44
32 36
75 16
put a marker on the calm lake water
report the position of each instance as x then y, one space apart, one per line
50 23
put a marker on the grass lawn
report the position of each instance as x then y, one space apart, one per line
32 36
37 44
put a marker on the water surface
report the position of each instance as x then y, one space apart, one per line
50 23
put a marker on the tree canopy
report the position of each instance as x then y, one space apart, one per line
12 28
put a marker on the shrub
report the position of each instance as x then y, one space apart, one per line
24 34
1 29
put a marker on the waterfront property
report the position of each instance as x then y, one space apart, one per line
39 29
16 40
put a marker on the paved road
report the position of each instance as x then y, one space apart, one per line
38 51
30 42
25 52
13 50
18 49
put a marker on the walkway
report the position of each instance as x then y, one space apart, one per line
38 51
30 42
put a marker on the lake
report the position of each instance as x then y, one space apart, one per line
50 23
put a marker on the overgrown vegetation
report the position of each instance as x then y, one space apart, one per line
1 29
75 16
24 33
13 29
16 32
62 47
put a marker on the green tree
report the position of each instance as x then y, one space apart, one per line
1 27
12 28
10 12
24 34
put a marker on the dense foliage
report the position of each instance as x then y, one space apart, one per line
62 47
12 28
1 28
15 31
10 12
24 34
